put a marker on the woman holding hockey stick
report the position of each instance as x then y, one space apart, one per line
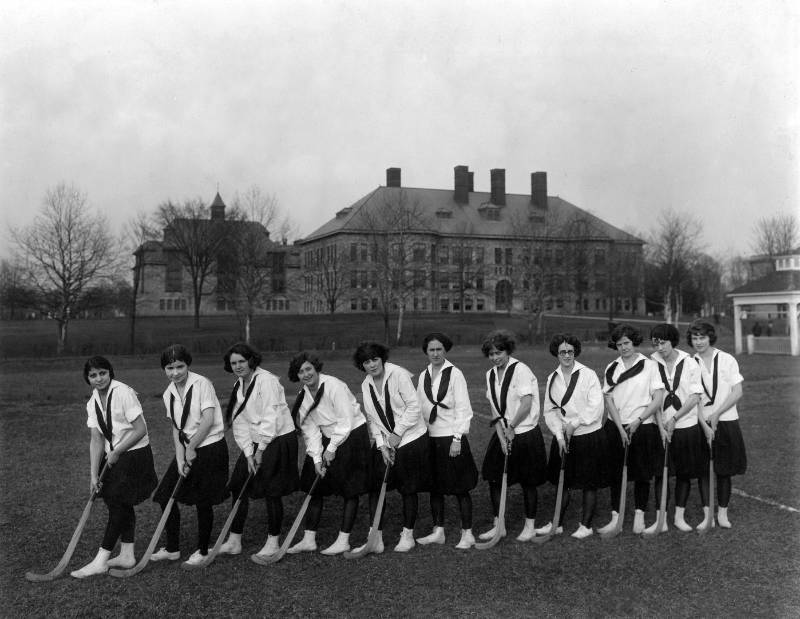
574 413
633 396
442 392
119 440
688 450
201 453
722 390
401 438
337 448
264 431
513 395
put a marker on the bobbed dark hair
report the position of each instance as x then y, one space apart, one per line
245 350
501 339
173 353
565 338
99 363
298 360
369 350
666 332
440 337
624 330
701 327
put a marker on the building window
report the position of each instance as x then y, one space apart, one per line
498 255
468 304
479 304
424 304
364 303
600 257
444 255
173 281
456 305
353 304
509 256
419 279
479 283
479 255
353 279
419 252
444 304
374 303
169 304
162 304
444 280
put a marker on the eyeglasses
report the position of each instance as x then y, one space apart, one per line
566 353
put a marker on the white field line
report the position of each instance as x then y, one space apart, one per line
765 501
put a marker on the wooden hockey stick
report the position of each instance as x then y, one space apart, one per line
559 496
153 540
500 529
209 558
59 569
374 531
708 523
277 556
662 510
623 491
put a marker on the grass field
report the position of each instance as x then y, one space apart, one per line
750 570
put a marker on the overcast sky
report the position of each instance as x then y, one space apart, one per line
631 107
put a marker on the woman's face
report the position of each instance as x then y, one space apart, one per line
177 372
436 353
499 358
664 347
700 343
240 366
625 347
308 375
374 367
99 378
566 355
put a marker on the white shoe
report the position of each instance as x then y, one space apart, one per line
611 525
722 518
652 528
437 537
528 531
232 546
271 547
705 519
378 545
98 565
125 558
490 533
406 542
545 530
467 540
582 532
307 544
638 522
196 559
679 521
342 544
165 555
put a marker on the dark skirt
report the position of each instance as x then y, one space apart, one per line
586 464
645 453
730 457
527 462
132 479
206 482
456 475
348 474
277 475
688 453
411 472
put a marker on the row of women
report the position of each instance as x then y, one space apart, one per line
416 439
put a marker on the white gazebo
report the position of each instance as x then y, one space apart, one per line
775 297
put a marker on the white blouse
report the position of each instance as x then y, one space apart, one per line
522 383
689 385
409 424
265 416
454 414
203 397
125 408
584 411
633 396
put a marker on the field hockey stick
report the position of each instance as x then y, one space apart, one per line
559 496
225 528
277 556
500 529
708 523
662 510
59 569
153 540
372 538
623 491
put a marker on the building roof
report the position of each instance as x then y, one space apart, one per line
443 215
218 201
778 281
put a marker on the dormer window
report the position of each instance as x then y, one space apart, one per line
444 214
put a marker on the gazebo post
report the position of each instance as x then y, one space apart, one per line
737 328
794 332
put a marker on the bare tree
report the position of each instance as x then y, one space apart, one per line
469 262
194 242
393 226
327 273
66 249
672 252
137 231
17 293
707 275
776 235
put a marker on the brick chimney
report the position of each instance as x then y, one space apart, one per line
393 177
471 183
461 193
498 178
539 189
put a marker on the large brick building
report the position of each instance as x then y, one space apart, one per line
165 284
457 249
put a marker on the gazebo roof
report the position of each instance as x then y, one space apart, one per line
775 282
